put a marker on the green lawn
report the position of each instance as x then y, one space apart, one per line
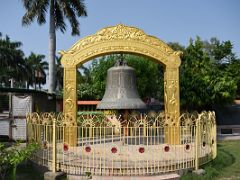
226 166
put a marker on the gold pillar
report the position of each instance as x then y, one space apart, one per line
172 106
70 105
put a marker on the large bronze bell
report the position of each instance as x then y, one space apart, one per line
121 91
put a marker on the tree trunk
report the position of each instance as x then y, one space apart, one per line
52 49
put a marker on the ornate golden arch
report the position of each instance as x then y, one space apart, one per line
126 39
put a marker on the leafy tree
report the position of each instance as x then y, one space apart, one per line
98 73
176 46
58 10
92 81
233 70
220 52
149 76
203 82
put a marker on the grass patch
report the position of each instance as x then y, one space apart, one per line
225 166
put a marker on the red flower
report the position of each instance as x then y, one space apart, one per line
187 147
65 147
212 141
141 149
114 150
45 144
88 149
204 144
166 148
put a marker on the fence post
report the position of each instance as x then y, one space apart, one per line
54 155
197 143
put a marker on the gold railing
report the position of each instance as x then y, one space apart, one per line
109 145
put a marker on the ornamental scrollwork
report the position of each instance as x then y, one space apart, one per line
152 119
188 119
47 118
68 87
69 104
121 32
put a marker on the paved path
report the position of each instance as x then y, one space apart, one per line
227 137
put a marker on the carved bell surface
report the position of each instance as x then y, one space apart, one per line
121 91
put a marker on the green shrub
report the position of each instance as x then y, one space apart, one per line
11 156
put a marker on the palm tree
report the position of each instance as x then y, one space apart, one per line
10 51
59 10
36 70
12 65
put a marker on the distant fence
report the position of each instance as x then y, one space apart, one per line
108 145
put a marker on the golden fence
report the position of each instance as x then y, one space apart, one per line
109 145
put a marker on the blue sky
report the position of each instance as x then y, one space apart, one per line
169 20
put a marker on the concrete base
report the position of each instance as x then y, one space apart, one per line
54 176
182 172
78 177
199 172
227 137
159 177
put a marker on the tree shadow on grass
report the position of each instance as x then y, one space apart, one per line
224 159
219 145
213 168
